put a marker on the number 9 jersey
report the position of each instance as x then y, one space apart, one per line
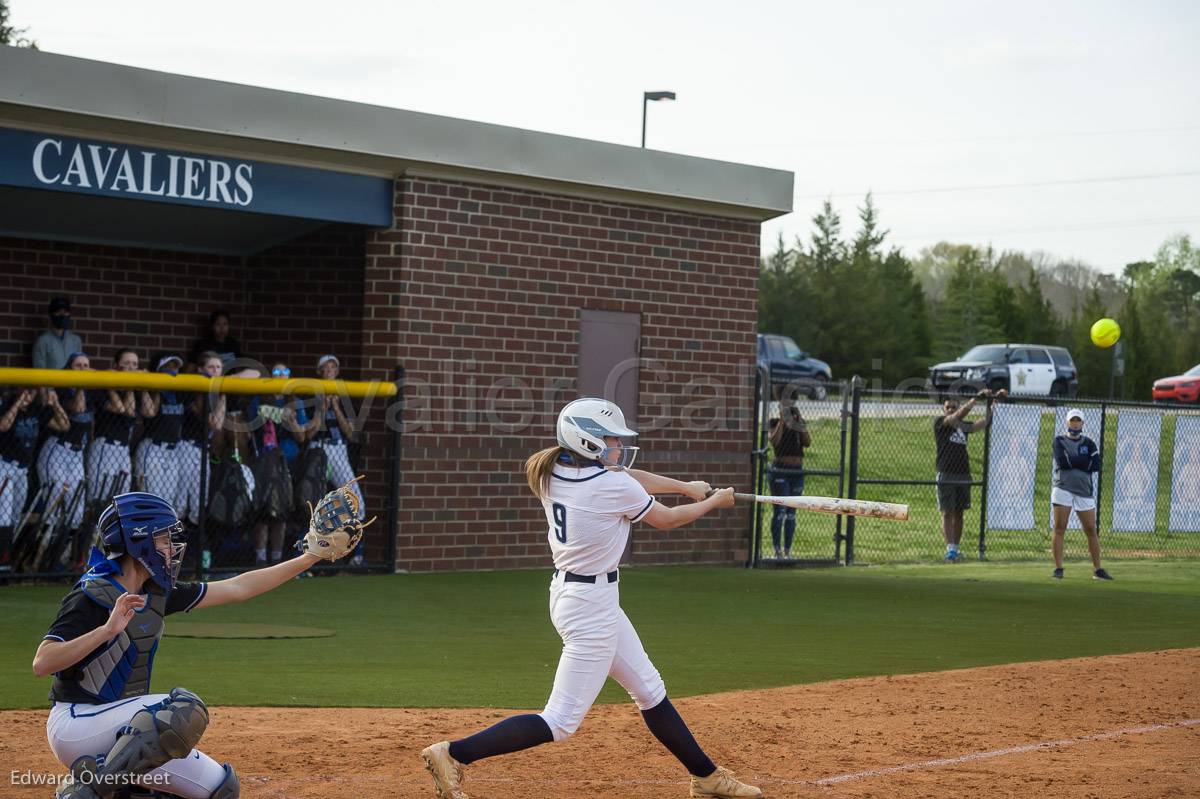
589 510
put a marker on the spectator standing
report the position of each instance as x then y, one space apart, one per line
56 343
109 464
789 438
333 432
950 431
1076 457
22 418
218 341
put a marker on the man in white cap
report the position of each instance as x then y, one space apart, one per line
1076 457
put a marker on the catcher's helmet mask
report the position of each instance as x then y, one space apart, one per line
145 527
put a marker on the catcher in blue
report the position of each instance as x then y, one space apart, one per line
591 497
119 738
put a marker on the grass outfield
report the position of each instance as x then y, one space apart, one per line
485 639
903 449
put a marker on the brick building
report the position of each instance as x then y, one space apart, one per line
505 270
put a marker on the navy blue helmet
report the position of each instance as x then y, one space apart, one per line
146 527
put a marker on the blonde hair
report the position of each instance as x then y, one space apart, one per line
538 468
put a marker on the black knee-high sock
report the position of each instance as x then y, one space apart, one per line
664 721
511 735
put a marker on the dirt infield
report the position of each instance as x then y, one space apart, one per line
1120 726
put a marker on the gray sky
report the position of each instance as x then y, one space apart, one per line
900 98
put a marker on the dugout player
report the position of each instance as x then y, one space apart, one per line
22 419
105 723
60 463
591 498
1076 457
162 415
332 432
108 461
950 431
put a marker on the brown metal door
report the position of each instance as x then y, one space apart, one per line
609 343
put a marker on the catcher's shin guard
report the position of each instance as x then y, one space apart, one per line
158 733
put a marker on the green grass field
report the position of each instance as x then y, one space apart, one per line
903 448
484 639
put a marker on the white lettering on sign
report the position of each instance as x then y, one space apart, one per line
120 170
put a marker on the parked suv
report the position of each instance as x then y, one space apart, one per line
787 364
1020 368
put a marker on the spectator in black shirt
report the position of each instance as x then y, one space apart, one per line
218 341
950 431
22 419
109 465
60 462
789 438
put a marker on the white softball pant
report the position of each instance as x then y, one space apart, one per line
77 730
159 466
189 455
15 482
61 467
108 470
340 470
598 642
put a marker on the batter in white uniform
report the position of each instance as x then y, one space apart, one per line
591 497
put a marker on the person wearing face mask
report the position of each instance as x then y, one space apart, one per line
55 343
1076 457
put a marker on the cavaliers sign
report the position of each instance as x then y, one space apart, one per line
37 160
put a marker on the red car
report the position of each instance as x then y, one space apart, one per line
1185 388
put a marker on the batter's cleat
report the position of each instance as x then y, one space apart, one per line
1100 574
721 784
447 772
951 556
1057 574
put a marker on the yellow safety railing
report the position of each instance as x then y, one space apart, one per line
156 381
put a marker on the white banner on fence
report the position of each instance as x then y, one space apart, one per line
1135 487
1012 464
1185 477
1091 429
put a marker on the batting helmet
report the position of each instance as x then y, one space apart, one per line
144 526
583 425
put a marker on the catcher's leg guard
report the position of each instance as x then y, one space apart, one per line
156 734
82 785
230 788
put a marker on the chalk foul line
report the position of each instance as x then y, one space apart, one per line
991 753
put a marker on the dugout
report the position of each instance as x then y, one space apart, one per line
504 269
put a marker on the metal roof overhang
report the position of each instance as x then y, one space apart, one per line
100 101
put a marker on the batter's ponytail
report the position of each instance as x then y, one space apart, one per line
538 467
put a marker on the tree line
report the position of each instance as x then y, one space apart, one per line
867 308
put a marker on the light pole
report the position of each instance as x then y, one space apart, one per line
646 98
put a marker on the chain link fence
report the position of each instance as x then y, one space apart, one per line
238 469
883 446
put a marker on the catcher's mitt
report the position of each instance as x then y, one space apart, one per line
334 528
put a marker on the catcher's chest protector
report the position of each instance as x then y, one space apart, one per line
121 668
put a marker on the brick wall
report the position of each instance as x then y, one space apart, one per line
476 284
294 302
472 284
